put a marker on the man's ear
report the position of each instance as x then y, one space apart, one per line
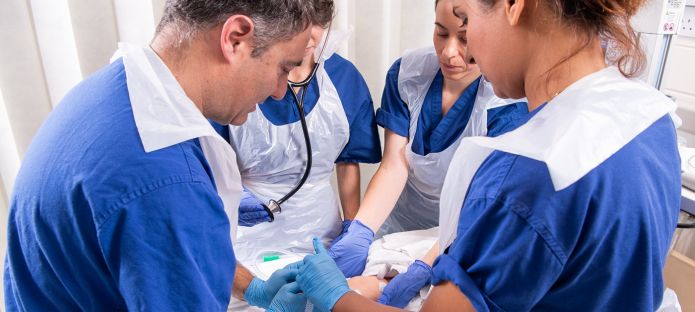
513 9
237 36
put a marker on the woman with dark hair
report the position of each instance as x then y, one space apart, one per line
271 152
573 210
432 100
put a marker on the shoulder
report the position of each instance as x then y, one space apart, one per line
640 183
91 146
344 74
394 69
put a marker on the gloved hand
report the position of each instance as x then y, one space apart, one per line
346 225
321 280
295 265
404 286
251 211
288 299
350 252
260 293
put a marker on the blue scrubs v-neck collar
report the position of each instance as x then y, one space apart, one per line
276 110
434 133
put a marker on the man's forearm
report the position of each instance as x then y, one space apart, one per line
242 280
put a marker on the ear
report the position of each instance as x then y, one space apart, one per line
237 36
513 9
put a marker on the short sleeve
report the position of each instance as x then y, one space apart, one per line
498 259
393 113
364 145
170 249
501 120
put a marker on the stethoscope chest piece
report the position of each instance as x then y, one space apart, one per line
272 208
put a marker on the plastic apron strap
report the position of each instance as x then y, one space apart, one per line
467 159
222 161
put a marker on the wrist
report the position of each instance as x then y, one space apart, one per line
364 228
254 293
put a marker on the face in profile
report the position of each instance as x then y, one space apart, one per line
450 37
314 42
492 44
264 76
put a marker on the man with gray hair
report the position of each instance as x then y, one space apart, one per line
116 205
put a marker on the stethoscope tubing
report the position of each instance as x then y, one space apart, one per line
274 206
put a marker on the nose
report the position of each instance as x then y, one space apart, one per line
280 90
451 48
468 58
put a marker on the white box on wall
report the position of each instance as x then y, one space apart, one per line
659 17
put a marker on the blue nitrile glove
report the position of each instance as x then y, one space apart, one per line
251 211
346 225
321 280
295 265
404 286
260 293
289 299
350 253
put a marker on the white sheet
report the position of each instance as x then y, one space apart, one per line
400 249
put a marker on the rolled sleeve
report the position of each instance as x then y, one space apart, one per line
447 269
501 259
393 114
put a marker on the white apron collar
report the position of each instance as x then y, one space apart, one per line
573 134
585 124
337 37
165 116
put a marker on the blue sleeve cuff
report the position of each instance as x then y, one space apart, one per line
445 268
397 125
361 160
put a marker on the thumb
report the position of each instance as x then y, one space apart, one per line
318 246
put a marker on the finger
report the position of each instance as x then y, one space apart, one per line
292 288
252 208
383 299
295 265
290 274
318 247
256 215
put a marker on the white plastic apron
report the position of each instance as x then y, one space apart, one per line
417 207
573 134
272 160
165 116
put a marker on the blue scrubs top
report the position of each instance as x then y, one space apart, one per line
598 245
364 145
434 133
97 224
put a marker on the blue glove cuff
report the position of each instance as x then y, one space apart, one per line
425 269
255 294
357 225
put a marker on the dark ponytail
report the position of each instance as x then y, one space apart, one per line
608 20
